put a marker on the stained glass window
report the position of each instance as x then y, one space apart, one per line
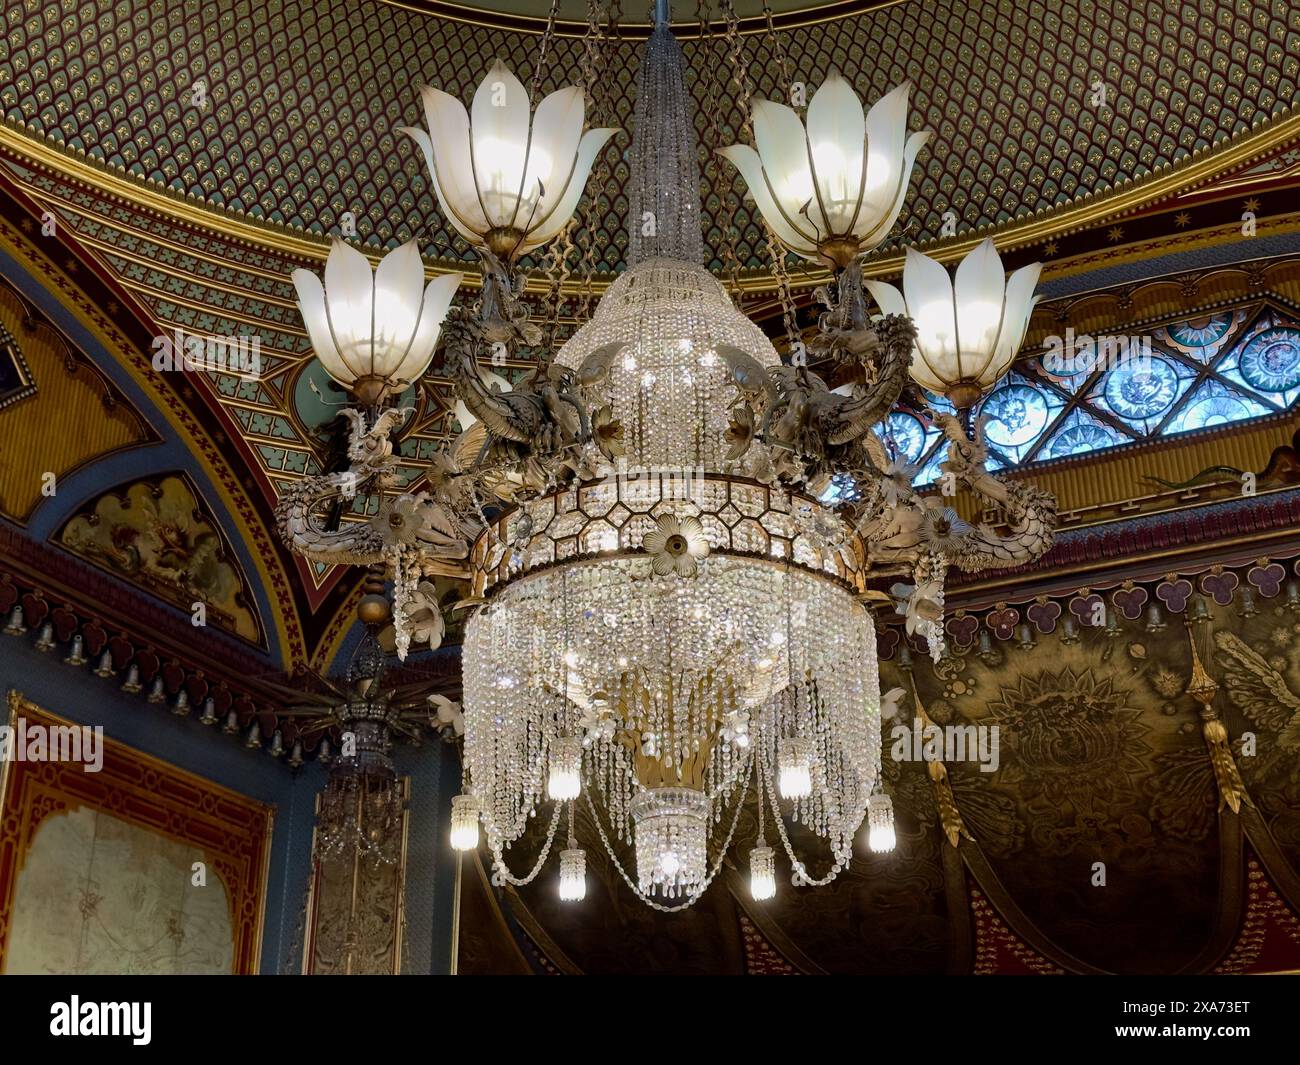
1109 391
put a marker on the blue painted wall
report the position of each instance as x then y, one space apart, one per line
76 693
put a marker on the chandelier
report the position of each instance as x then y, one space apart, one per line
668 621
361 810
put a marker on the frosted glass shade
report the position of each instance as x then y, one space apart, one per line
374 332
507 180
969 328
834 189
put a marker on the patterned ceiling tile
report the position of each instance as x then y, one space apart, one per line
1036 104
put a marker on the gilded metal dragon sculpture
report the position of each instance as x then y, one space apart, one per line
415 520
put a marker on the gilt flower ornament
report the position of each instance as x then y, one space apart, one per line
676 545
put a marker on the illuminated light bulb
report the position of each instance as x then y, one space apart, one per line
794 768
880 823
464 823
564 781
573 874
571 659
839 185
762 873
669 863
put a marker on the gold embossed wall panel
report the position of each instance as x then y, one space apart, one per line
64 389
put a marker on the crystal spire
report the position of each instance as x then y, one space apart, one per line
664 184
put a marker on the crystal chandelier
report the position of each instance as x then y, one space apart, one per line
666 620
678 629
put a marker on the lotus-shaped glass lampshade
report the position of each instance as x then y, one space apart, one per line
506 185
968 328
834 190
374 331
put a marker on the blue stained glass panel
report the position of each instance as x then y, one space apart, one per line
842 489
1214 404
1201 338
904 436
1269 361
1080 434
1018 413
1141 393
930 472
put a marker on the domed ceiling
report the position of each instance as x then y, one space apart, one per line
489 12
1036 106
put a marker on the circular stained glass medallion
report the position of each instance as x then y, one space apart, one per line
1016 413
1270 361
1201 332
1141 390
1079 439
906 433
1214 410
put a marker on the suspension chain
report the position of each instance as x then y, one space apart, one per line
745 92
717 175
556 266
547 36
599 14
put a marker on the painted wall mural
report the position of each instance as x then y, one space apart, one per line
157 534
98 873
99 895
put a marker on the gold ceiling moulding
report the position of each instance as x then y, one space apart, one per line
638 30
143 194
1180 240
